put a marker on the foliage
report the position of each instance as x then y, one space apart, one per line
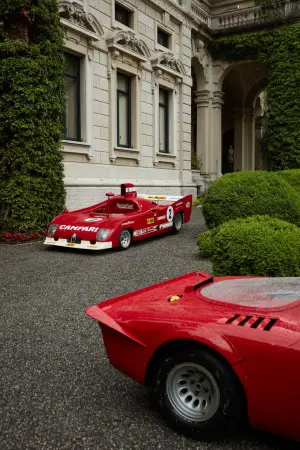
279 50
204 243
243 194
195 162
32 103
292 177
198 201
258 245
20 237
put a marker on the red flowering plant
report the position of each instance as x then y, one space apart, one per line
15 237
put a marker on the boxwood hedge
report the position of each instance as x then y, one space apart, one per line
257 245
204 243
292 176
243 194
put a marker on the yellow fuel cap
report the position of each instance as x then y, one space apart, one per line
173 298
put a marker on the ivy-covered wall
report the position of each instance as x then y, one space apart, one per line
279 49
32 103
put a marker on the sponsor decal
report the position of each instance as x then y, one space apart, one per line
93 219
79 228
125 205
165 225
130 189
128 223
178 204
161 217
157 197
150 221
187 205
145 231
170 214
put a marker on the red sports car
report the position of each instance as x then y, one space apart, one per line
119 220
216 351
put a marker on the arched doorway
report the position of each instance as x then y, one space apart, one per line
242 84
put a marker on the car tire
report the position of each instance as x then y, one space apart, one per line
177 223
198 395
125 239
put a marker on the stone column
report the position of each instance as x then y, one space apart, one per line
239 139
203 138
216 135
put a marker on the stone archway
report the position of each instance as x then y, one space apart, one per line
241 84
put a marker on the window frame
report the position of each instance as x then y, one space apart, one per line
129 126
166 106
166 36
130 12
77 77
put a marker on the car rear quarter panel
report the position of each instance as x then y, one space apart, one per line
132 359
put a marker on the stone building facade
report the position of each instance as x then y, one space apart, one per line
145 97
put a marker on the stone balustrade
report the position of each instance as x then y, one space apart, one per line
256 15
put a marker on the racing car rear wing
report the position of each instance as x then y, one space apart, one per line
165 198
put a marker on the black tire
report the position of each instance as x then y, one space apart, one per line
125 239
230 407
177 222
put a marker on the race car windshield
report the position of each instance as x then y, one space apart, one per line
255 292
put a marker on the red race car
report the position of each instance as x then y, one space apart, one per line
217 352
119 220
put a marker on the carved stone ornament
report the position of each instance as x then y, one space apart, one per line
167 62
76 14
127 42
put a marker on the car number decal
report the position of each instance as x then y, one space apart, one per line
170 214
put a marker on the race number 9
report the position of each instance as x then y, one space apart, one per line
170 214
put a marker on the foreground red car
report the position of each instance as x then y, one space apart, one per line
119 220
216 351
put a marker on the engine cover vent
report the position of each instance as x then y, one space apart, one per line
241 321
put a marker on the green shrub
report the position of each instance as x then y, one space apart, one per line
32 102
243 194
204 242
198 201
292 176
257 245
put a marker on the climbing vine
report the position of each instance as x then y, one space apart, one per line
279 50
31 109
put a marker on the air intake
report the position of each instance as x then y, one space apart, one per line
241 321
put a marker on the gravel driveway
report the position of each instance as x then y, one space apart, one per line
57 390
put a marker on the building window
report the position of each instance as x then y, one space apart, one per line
123 15
72 124
163 121
163 38
123 110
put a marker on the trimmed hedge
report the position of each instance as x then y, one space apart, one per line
243 194
257 245
32 105
204 243
292 177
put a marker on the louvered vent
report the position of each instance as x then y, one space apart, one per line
244 320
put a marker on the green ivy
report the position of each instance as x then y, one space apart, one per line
279 50
32 101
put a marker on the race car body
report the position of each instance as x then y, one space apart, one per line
215 350
119 220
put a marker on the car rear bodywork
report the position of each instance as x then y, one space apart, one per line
239 318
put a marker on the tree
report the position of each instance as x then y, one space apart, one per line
32 102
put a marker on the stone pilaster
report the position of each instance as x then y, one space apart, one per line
203 122
216 135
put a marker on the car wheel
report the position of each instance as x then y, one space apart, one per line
198 395
177 224
124 239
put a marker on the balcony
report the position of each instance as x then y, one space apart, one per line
256 16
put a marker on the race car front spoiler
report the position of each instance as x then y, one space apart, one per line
84 245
